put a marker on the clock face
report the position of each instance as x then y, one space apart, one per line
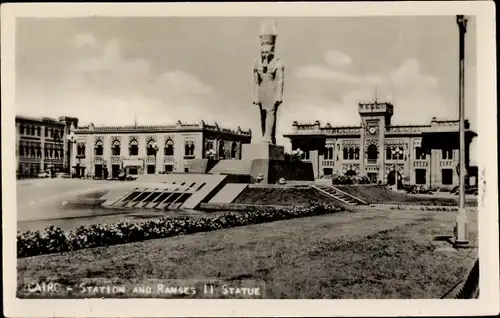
372 130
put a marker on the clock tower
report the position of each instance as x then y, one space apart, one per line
375 117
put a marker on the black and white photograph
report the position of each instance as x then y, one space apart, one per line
215 158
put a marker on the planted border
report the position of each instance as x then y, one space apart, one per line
55 240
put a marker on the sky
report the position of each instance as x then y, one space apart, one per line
113 70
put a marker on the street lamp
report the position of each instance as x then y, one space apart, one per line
71 140
461 230
155 149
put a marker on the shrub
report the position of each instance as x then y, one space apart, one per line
54 240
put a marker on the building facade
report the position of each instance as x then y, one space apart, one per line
426 155
108 151
42 144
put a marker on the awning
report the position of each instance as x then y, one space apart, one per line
133 163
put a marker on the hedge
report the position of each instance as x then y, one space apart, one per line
55 240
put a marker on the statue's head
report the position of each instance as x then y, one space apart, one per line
267 39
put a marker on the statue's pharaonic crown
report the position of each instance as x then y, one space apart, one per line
268 33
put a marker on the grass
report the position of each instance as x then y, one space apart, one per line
283 197
345 255
381 195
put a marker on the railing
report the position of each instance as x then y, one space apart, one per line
168 159
116 159
447 163
151 159
328 163
420 163
371 161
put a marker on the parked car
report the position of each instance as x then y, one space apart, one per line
416 189
62 175
468 190
131 177
44 174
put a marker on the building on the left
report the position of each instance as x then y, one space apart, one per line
42 145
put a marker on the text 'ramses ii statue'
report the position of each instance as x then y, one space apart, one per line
268 83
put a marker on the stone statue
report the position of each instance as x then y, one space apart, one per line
268 83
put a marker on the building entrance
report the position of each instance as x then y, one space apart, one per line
394 177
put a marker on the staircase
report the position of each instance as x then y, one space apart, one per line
234 167
340 195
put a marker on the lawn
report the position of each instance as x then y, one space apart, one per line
283 196
381 195
366 254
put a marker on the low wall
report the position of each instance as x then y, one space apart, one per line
235 206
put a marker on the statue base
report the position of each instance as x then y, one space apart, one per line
263 150
269 165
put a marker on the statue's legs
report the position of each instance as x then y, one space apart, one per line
270 122
263 115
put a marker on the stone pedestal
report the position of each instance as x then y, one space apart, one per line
263 151
269 165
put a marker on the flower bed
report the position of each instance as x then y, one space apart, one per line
55 240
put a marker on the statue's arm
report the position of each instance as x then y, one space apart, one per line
280 76
255 85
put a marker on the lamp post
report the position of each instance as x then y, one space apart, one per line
461 230
396 153
71 141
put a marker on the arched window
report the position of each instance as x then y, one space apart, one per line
169 148
233 149
222 151
356 154
372 153
116 148
351 153
150 149
98 148
133 147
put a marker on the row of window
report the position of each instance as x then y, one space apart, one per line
32 130
392 153
150 149
36 152
420 176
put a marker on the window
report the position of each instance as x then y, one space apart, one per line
420 176
419 153
132 170
447 154
80 150
32 130
169 148
189 149
98 149
222 150
395 153
46 132
372 154
305 155
169 168
327 171
351 153
116 148
21 150
21 129
345 153
328 155
38 129
150 150
234 149
133 147
447 176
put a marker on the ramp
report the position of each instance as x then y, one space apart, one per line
229 193
232 167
